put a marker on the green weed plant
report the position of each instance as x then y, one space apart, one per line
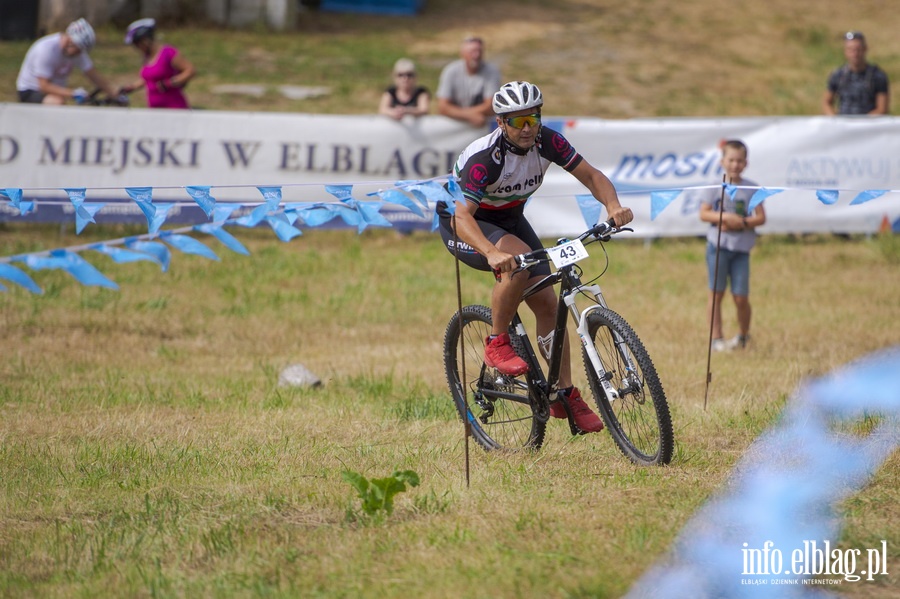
377 494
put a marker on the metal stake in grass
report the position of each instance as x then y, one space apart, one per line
467 427
712 312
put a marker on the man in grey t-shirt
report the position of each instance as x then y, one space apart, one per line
467 85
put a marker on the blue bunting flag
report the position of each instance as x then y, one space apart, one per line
200 194
370 215
158 250
13 194
76 195
72 263
395 196
11 273
188 245
341 192
348 214
760 196
159 217
121 255
272 197
432 191
143 197
255 217
313 214
283 229
590 209
827 196
223 212
226 238
84 214
660 200
867 195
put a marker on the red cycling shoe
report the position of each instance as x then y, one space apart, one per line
584 417
499 354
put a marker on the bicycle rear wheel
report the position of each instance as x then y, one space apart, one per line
638 419
499 408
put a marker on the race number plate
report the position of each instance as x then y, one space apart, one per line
567 253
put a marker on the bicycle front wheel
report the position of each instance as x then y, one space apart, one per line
499 408
637 414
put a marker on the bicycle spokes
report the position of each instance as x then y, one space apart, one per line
499 407
629 395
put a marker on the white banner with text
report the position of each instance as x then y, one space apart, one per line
819 166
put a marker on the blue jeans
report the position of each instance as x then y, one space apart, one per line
733 265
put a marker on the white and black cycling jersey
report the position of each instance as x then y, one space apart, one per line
499 177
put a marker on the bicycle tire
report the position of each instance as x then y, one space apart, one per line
641 429
499 408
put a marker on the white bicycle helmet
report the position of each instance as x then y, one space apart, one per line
517 95
140 29
82 34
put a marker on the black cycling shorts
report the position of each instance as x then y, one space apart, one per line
31 96
468 256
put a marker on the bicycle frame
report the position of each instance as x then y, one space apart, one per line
571 286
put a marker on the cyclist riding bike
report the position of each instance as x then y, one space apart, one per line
498 173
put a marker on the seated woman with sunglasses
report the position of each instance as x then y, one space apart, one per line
404 97
497 174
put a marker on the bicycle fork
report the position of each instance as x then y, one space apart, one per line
603 375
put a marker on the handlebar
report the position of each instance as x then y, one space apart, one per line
99 98
602 231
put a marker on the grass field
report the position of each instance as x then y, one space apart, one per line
147 450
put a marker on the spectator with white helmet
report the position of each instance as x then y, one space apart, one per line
165 71
497 174
45 71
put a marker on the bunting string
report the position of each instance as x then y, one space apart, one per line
285 218
154 246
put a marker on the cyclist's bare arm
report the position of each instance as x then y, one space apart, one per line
604 191
185 68
469 231
101 82
49 88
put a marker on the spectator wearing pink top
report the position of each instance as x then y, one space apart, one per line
165 71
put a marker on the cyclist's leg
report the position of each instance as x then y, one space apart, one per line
543 304
507 293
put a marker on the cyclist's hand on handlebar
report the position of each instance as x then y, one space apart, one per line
501 262
621 216
80 95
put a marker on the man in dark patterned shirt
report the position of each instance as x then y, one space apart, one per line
857 87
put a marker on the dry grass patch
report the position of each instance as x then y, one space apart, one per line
145 447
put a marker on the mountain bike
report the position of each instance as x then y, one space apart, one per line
511 412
